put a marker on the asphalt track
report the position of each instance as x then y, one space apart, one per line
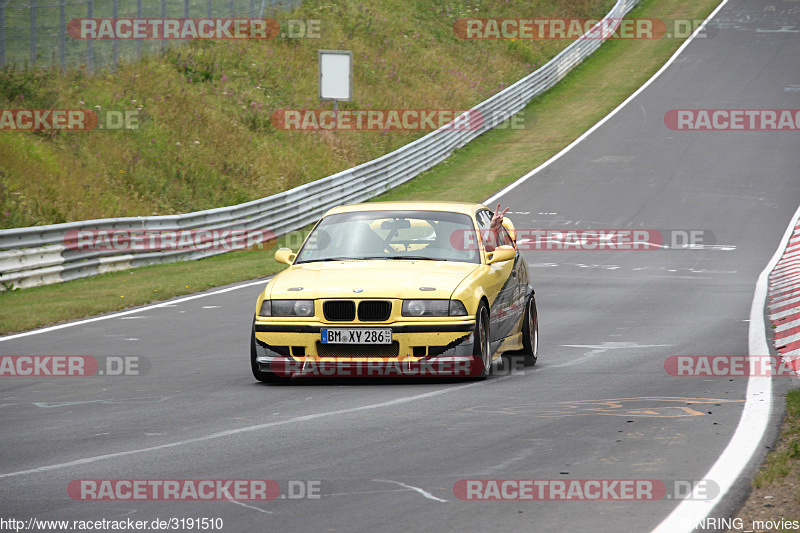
390 453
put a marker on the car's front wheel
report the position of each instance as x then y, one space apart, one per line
263 377
481 347
530 333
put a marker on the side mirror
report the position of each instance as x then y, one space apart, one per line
512 231
501 253
285 256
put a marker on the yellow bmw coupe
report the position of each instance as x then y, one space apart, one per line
397 288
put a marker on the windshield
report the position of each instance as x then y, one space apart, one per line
412 235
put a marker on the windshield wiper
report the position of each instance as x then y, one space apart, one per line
330 259
408 257
373 257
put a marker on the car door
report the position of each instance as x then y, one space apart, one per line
503 281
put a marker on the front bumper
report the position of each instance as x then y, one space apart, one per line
417 349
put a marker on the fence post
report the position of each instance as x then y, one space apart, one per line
2 33
89 43
252 9
115 42
34 9
209 9
232 8
62 34
138 16
186 9
163 17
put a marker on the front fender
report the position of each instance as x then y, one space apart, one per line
484 282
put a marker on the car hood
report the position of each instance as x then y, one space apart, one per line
376 279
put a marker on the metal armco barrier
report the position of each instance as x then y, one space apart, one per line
38 255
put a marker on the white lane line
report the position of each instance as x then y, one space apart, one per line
231 432
752 425
170 303
359 493
259 509
578 361
415 489
598 349
112 401
605 119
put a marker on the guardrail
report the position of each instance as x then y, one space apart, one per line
41 255
35 31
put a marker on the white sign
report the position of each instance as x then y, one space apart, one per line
335 75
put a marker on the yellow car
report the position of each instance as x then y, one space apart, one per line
397 288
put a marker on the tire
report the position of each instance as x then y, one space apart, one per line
263 377
481 347
530 333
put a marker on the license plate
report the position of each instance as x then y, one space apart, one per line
356 335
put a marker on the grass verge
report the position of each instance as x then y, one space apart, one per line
473 173
202 132
776 487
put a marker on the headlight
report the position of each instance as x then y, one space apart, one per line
457 308
266 308
433 308
291 308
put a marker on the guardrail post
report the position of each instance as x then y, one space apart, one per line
163 16
34 8
2 34
139 43
89 43
115 42
62 34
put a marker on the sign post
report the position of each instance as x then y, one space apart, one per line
335 77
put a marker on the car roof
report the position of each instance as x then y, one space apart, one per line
452 207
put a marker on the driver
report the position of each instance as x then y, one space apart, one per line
494 237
